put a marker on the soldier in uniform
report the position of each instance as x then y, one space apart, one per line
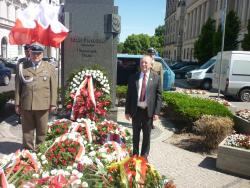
35 96
26 58
156 67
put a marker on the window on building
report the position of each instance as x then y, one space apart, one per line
184 53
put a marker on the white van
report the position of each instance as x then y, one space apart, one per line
202 77
235 74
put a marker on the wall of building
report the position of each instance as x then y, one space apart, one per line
196 13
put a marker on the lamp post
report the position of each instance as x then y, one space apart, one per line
222 45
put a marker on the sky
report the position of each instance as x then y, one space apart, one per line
140 16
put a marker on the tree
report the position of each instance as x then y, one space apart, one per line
217 40
203 46
120 47
158 39
132 45
246 41
232 31
138 44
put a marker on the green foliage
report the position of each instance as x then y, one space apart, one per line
132 45
192 108
121 91
138 44
214 128
5 97
203 46
217 40
232 31
120 47
246 41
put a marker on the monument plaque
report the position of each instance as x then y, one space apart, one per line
94 27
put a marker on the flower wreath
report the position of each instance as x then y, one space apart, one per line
89 95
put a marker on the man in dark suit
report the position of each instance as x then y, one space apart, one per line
143 104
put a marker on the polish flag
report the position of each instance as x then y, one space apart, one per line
38 23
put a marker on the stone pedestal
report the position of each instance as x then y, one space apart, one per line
234 160
94 28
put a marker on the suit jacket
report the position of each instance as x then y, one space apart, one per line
153 91
40 93
157 68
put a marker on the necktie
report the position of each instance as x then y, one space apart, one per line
143 89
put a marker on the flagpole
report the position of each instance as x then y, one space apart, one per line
222 46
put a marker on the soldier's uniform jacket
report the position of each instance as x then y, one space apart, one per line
39 93
157 68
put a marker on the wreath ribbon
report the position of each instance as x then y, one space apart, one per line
88 81
4 183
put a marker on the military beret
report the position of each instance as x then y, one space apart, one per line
36 48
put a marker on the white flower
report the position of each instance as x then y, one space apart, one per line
66 173
44 162
75 172
92 153
11 186
43 157
76 182
53 172
35 175
69 168
86 160
60 172
75 165
79 175
45 174
85 184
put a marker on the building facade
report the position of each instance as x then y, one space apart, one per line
8 13
194 13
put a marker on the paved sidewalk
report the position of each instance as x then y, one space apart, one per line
188 169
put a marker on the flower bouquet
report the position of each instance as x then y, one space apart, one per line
85 127
58 128
20 165
134 172
112 152
112 131
89 95
65 150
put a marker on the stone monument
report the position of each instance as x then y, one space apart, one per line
94 27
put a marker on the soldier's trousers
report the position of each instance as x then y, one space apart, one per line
34 120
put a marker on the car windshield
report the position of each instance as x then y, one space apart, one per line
208 64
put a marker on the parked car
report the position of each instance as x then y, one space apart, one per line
5 74
202 77
181 72
234 74
178 65
8 63
128 64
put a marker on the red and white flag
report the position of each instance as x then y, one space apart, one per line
38 23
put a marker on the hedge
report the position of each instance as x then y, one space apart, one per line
192 108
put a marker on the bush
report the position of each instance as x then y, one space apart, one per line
214 128
121 91
192 108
